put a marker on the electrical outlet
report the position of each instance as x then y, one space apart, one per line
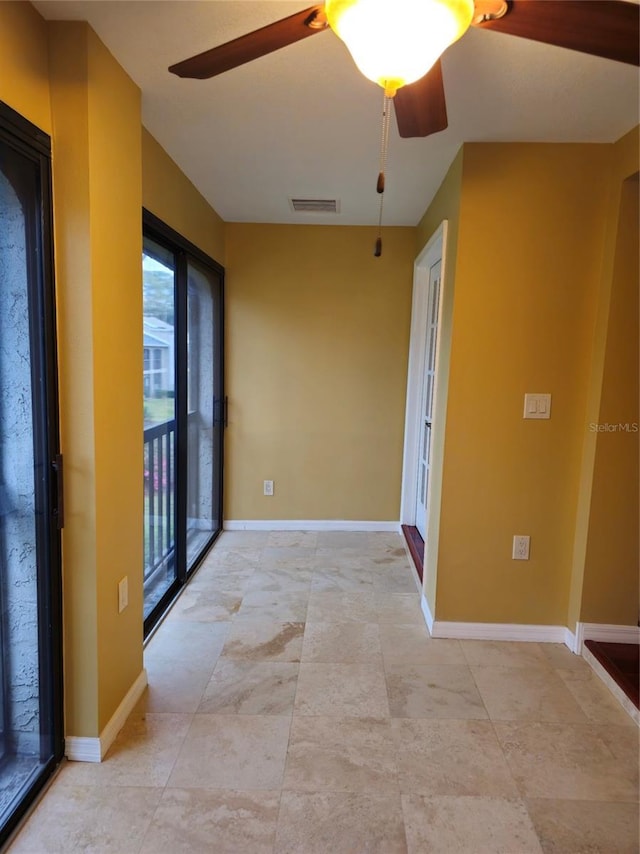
520 547
123 594
268 487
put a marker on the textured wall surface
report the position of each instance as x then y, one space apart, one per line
19 639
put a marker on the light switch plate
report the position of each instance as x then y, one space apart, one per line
537 406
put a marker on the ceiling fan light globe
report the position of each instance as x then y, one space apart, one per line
396 42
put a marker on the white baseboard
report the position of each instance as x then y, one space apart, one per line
571 641
606 633
492 631
426 611
308 525
83 749
499 632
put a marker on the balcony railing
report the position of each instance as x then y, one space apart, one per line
159 487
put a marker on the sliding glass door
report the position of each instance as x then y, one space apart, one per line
183 410
30 476
204 408
159 384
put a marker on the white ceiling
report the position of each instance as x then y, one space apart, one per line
304 122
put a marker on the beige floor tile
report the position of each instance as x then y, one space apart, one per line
504 653
175 687
278 606
220 580
264 640
241 540
560 656
232 752
526 694
382 565
292 567
342 643
594 698
293 539
177 678
433 691
400 608
388 550
357 540
352 606
448 757
585 826
89 820
342 690
143 754
230 558
287 555
334 579
623 742
411 644
175 640
280 581
468 826
251 688
395 580
195 821
341 755
341 823
343 559
382 540
234 731
571 761
206 605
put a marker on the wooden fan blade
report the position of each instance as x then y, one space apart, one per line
253 45
421 108
608 28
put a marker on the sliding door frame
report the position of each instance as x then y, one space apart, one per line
32 143
184 251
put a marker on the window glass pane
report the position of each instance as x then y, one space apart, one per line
204 409
158 280
26 722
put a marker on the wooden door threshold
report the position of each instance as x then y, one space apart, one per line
415 544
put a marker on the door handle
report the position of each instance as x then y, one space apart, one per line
221 411
427 424
58 510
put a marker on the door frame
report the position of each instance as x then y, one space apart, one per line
34 144
185 251
434 250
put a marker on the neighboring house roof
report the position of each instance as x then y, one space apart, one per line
152 341
154 323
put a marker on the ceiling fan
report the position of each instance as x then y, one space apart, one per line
606 28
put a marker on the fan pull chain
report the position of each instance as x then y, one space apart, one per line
384 147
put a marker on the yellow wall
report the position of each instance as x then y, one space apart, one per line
610 593
97 203
623 162
445 206
72 230
24 75
116 251
317 340
529 255
168 194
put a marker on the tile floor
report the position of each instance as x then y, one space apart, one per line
297 704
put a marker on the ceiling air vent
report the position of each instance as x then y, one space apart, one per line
315 205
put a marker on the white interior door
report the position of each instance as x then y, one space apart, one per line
426 406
